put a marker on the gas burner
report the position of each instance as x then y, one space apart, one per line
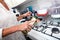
58 23
53 23
52 31
49 27
55 30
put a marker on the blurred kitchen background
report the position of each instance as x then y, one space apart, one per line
45 30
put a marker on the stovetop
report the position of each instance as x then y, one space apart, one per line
49 27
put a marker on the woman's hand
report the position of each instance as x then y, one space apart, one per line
24 15
21 27
27 25
27 14
24 26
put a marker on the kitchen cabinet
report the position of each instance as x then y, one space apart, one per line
14 3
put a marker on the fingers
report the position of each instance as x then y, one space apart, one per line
32 21
37 20
30 12
29 28
27 25
27 14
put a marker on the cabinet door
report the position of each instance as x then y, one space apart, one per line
14 3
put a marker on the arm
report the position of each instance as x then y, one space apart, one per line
24 15
20 17
4 4
15 28
8 31
25 26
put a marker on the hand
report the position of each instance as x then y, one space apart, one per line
27 14
32 21
24 26
37 20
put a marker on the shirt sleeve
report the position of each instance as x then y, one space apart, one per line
0 33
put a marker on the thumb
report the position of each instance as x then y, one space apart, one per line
31 23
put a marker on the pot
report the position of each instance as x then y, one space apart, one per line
42 12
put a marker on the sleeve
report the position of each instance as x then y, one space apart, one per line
0 33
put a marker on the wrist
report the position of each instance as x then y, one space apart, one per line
24 15
17 28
